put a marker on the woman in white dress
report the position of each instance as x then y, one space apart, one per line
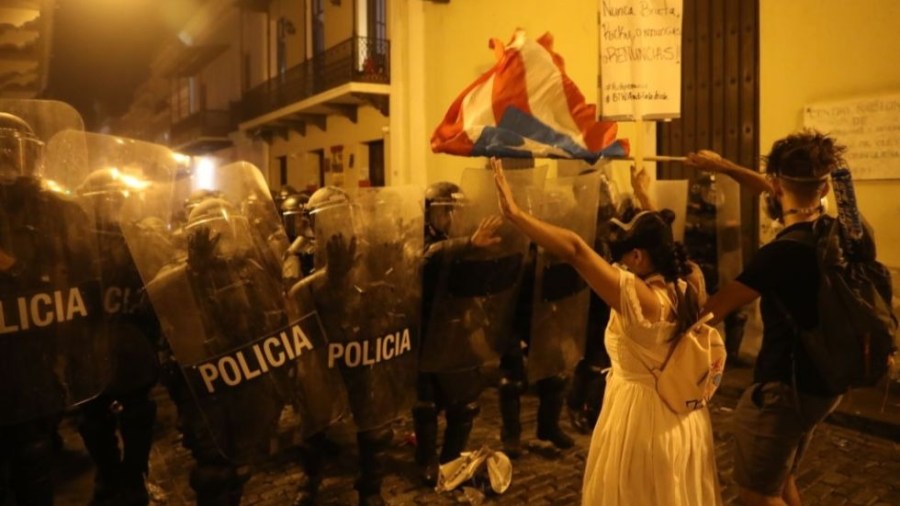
642 453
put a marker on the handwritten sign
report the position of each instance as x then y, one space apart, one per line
640 58
869 127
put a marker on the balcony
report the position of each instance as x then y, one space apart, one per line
336 81
202 132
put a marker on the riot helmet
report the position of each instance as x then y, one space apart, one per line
293 214
106 190
327 200
217 227
278 196
442 199
20 149
333 221
198 196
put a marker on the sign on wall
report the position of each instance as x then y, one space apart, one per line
869 127
640 58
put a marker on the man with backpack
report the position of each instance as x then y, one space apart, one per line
816 271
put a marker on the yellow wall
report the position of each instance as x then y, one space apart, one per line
295 44
338 22
822 50
303 168
439 49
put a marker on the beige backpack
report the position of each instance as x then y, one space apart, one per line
692 370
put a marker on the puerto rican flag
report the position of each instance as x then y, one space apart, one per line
526 107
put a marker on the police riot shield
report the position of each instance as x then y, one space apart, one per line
701 230
728 229
116 170
560 296
367 291
51 353
471 317
244 353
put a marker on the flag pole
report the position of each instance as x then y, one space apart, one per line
658 158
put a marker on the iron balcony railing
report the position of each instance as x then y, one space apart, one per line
203 123
358 59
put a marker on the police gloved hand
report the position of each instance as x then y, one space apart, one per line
341 256
486 234
201 246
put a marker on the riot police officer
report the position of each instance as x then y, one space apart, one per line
215 300
552 316
513 382
134 331
52 358
588 381
456 393
298 261
366 291
281 194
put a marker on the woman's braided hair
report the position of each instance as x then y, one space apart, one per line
652 232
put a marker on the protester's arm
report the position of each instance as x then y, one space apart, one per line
728 299
713 162
568 246
640 185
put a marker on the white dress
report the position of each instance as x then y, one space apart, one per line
642 453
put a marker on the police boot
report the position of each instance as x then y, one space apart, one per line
29 470
216 484
510 408
460 418
372 445
426 427
97 426
136 427
312 457
550 392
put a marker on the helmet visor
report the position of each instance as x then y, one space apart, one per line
19 156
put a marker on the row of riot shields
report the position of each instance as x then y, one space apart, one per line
473 315
99 230
208 245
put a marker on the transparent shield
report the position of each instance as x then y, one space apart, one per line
561 297
114 172
728 229
673 195
52 353
368 296
214 280
475 290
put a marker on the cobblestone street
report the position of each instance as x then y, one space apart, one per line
843 466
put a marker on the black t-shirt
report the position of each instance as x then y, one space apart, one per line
786 271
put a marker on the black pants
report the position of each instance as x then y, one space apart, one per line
217 439
371 444
26 456
132 415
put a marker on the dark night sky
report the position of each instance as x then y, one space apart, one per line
102 50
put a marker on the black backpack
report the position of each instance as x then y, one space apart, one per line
855 336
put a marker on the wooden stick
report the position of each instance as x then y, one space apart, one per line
655 158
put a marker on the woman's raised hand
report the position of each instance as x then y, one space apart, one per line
504 194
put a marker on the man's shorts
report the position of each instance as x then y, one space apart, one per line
773 427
